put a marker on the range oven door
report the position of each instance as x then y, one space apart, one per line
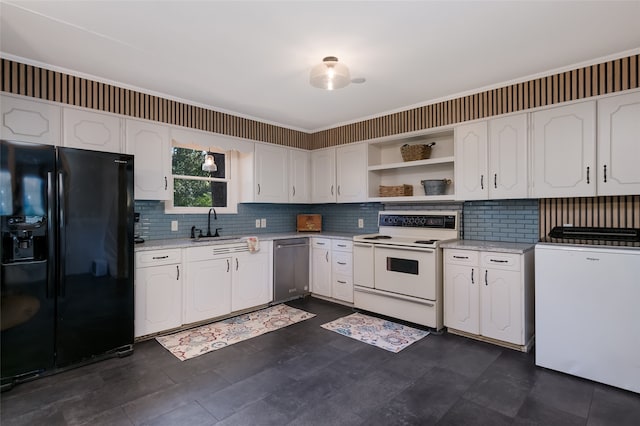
406 270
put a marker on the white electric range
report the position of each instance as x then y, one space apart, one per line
398 271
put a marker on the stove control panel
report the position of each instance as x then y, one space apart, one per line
418 221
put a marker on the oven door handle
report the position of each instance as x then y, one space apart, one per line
405 248
393 295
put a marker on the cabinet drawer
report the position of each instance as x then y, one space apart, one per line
506 261
341 245
342 263
321 243
158 257
461 257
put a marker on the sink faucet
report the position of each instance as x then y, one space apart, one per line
193 232
215 217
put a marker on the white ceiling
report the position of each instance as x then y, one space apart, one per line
253 58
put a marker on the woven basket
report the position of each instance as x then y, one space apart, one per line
396 191
416 152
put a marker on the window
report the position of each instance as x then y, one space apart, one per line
196 190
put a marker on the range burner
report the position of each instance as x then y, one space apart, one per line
377 237
425 241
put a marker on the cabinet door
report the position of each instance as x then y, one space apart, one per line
208 289
158 299
91 130
619 145
564 151
508 157
363 264
471 178
150 144
323 176
321 272
251 285
29 121
271 169
351 173
299 176
462 298
501 309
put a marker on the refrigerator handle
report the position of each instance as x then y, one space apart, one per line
61 235
51 241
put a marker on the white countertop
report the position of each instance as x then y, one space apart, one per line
188 242
496 246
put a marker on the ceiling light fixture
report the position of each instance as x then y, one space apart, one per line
330 74
209 164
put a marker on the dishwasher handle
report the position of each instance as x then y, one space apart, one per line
279 246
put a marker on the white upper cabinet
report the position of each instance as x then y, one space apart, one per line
471 161
619 145
508 159
271 174
564 151
29 121
299 176
91 130
151 146
323 176
351 173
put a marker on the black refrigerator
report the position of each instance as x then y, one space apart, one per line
66 223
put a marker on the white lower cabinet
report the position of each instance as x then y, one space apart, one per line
342 270
226 278
251 282
490 295
321 266
158 291
208 287
332 268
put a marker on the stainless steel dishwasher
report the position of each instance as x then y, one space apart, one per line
290 269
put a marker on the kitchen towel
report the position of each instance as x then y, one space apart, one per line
206 338
384 334
253 244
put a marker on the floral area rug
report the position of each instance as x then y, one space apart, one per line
200 340
376 331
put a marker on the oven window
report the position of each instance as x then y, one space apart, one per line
405 266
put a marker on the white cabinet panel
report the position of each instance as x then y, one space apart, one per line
29 121
502 306
271 171
462 298
619 145
508 171
91 130
471 161
321 270
150 145
299 176
251 285
564 151
208 289
351 173
323 176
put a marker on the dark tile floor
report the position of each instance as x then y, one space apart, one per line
306 375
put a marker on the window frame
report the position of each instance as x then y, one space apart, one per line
232 179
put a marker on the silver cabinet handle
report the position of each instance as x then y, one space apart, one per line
341 263
237 264
342 282
177 272
472 282
258 189
327 256
294 190
228 265
481 181
498 261
587 174
495 180
486 281
165 183
605 173
159 257
331 189
339 189
460 257
341 245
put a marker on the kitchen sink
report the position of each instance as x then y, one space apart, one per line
214 239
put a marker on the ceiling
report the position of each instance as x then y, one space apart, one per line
253 59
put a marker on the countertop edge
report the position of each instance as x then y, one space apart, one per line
494 246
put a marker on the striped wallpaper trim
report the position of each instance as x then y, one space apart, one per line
28 80
611 212
608 77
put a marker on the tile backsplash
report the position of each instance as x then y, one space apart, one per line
494 220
